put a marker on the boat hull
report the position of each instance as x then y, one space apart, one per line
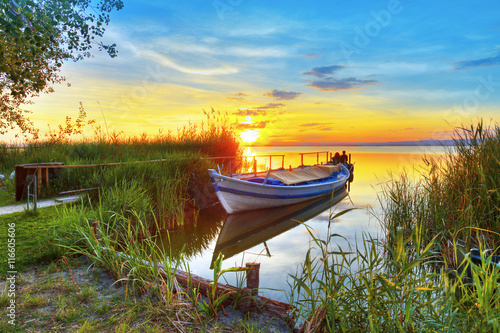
237 195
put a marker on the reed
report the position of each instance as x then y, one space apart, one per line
456 192
362 289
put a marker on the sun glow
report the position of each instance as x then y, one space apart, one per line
250 136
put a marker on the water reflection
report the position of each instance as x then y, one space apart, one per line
201 238
245 230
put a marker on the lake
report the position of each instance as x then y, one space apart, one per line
288 242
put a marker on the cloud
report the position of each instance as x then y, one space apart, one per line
484 62
258 110
327 82
317 126
249 112
282 94
166 61
270 106
238 97
323 71
258 125
333 84
312 55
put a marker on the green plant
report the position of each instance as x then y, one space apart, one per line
457 191
215 297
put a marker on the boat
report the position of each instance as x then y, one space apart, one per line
244 230
277 188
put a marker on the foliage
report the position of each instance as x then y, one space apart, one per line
36 38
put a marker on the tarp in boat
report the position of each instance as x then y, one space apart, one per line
303 175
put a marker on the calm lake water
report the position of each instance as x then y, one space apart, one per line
273 238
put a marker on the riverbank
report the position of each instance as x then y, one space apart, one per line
74 295
56 290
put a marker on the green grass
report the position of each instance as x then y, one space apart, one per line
7 193
453 195
34 237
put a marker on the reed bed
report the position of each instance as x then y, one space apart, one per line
362 289
453 195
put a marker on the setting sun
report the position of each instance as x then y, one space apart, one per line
250 136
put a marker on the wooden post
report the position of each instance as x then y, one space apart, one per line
270 162
35 191
46 177
253 277
326 158
302 160
39 179
317 158
255 166
283 161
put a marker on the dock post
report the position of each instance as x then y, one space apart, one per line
255 166
253 277
35 192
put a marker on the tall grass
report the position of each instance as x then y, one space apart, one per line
455 192
360 289
164 189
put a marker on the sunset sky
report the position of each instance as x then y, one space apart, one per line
291 71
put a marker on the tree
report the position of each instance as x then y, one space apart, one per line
36 37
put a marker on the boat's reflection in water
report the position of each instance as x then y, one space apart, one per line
242 231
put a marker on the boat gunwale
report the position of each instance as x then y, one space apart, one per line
246 182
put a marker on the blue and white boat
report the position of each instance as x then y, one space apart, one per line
278 188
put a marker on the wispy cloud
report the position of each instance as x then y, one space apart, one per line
323 71
483 62
256 125
166 61
333 84
249 112
312 55
317 126
327 82
270 106
282 94
238 97
259 110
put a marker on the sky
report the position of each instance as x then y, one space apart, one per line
289 72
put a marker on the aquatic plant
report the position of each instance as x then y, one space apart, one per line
454 192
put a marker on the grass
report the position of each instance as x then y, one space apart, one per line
34 237
454 194
362 289
409 282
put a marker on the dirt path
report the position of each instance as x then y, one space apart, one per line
40 204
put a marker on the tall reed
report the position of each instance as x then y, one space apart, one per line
455 192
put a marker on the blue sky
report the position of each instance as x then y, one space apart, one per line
290 71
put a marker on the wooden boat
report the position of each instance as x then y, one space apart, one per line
242 231
278 188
